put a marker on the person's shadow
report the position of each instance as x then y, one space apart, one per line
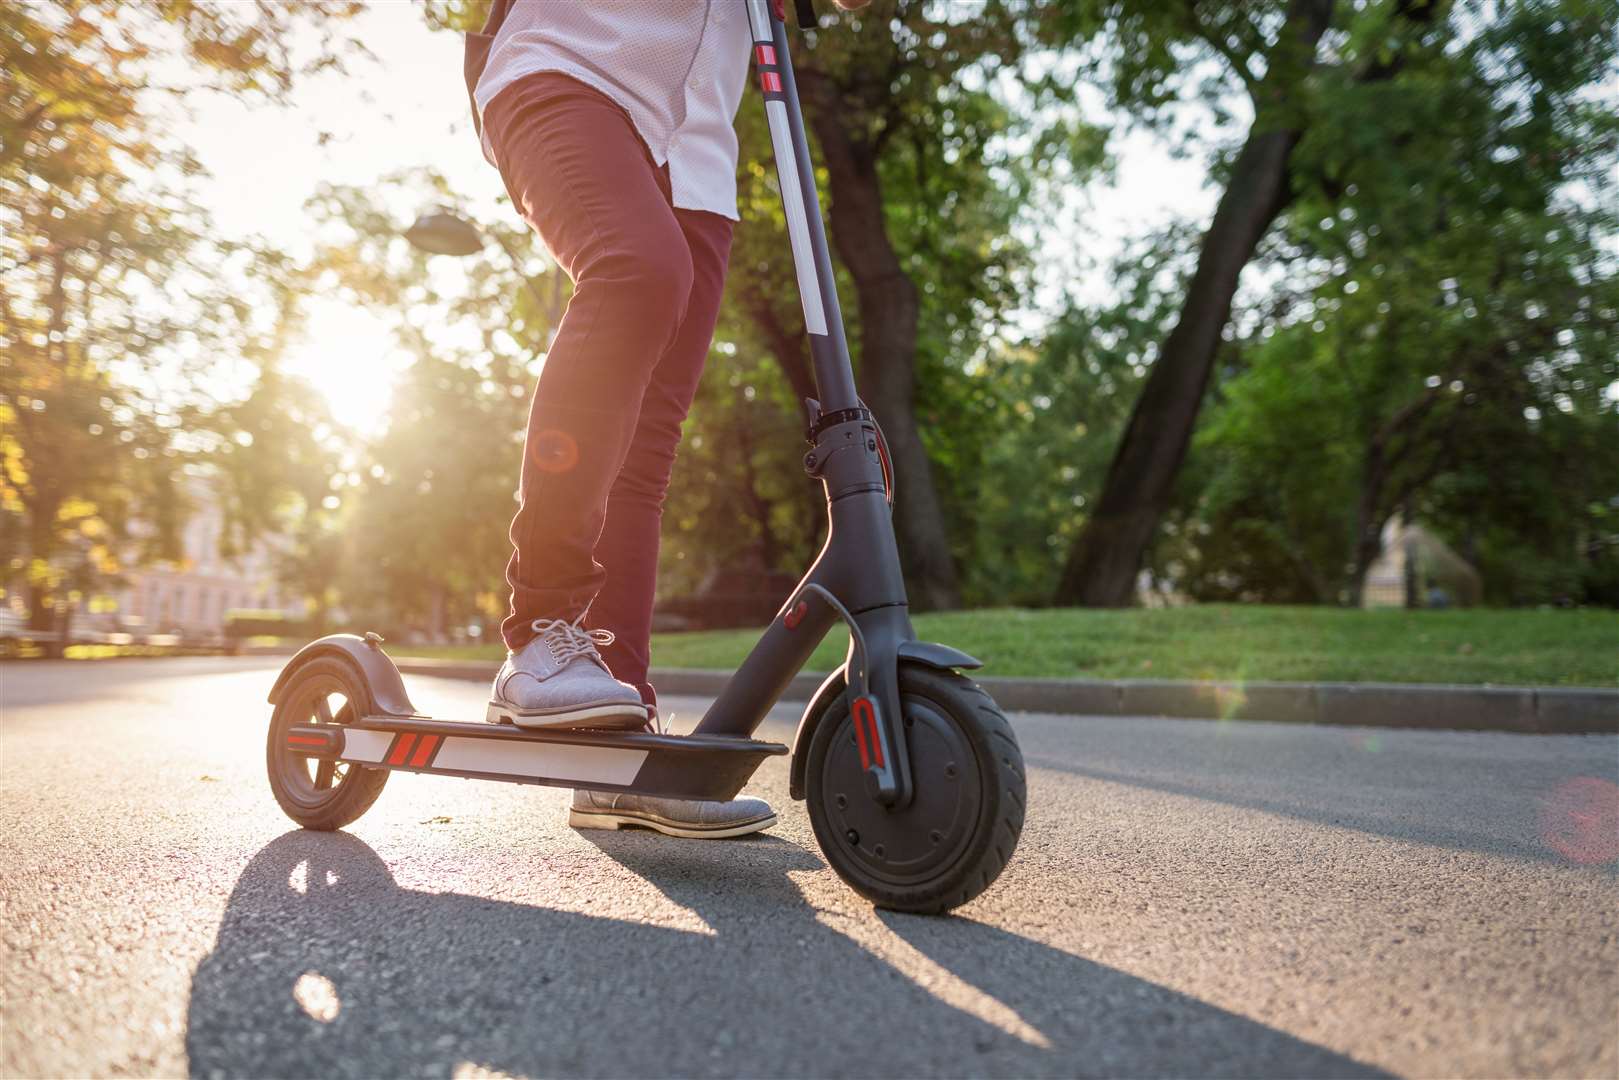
324 966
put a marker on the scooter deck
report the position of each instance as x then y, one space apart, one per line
675 766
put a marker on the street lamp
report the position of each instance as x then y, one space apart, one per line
441 231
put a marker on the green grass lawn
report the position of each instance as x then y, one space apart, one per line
1555 648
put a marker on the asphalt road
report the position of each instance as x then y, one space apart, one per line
1190 898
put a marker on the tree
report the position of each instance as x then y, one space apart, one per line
282 462
428 501
115 295
1281 57
920 165
1061 401
1451 354
924 166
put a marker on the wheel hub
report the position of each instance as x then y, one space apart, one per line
910 843
322 700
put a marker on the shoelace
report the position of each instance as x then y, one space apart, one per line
569 641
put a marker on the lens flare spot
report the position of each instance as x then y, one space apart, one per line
1579 819
554 451
1230 699
316 996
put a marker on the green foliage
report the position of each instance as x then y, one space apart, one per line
115 296
1435 333
422 509
242 624
1431 329
1062 402
739 496
967 128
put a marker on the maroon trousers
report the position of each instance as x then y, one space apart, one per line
622 371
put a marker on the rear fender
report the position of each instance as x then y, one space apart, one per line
376 671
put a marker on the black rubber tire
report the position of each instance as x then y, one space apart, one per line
358 787
992 789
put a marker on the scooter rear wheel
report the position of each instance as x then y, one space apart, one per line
956 835
320 793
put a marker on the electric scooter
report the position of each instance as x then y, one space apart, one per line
912 775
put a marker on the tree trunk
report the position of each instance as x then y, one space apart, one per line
1408 552
788 347
770 548
41 513
889 311
1369 520
1106 556
1381 459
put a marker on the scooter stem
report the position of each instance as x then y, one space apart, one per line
857 576
801 205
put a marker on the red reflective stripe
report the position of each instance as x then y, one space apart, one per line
770 81
765 53
310 740
865 715
424 751
401 748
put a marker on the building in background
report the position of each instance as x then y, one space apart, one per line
1418 566
191 597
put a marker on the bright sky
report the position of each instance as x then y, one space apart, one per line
409 108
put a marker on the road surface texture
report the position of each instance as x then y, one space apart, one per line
1190 898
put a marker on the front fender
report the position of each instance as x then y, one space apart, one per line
828 692
938 656
919 652
377 672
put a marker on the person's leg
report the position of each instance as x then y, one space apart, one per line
628 548
579 174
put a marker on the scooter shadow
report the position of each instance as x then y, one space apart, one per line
434 983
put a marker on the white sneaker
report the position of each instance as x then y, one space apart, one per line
559 680
688 818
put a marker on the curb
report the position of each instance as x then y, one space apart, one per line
1525 710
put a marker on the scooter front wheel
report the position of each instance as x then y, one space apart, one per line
319 793
960 828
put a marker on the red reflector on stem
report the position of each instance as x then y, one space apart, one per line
770 82
795 616
766 54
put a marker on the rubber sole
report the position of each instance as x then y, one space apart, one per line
612 715
618 819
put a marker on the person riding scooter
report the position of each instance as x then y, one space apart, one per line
612 126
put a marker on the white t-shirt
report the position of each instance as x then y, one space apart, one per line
678 67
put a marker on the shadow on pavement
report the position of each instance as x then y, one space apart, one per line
412 983
1462 791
